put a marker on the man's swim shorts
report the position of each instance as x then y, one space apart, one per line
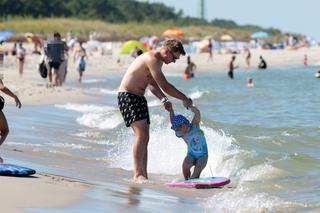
133 108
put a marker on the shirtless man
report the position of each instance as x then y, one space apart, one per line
145 71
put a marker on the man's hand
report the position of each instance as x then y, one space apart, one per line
187 103
168 106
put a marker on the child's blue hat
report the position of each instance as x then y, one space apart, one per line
178 120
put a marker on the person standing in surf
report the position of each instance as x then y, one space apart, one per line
146 71
4 129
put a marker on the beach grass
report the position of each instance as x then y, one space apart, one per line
112 31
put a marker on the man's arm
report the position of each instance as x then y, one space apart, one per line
155 89
162 82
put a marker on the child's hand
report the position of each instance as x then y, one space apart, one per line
168 106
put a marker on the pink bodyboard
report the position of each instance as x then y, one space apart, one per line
209 182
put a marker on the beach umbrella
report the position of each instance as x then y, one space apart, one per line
32 37
4 35
260 34
226 37
173 32
208 37
154 38
129 45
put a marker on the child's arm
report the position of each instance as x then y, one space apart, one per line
4 89
171 111
197 116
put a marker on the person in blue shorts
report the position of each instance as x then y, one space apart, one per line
191 133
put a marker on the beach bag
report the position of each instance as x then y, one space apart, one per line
43 69
55 51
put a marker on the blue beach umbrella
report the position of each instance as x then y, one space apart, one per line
4 35
145 38
260 34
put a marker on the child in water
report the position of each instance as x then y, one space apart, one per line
189 71
191 133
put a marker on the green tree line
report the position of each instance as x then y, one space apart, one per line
113 11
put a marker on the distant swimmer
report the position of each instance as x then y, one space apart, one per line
250 82
262 64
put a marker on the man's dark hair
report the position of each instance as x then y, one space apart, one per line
56 34
175 46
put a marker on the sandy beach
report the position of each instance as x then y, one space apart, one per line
39 191
45 190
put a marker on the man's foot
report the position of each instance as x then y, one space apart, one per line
140 179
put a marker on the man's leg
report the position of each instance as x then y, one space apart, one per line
140 149
56 77
200 164
50 71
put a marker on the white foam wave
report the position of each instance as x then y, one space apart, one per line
69 145
197 94
101 117
259 137
85 107
106 120
244 200
167 152
260 172
108 91
87 134
24 144
93 81
59 145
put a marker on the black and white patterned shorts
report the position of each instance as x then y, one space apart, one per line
133 108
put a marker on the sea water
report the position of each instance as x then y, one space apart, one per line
265 138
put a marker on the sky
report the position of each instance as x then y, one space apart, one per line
297 16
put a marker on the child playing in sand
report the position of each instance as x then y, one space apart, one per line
191 133
4 129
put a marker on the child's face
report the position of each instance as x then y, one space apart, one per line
183 128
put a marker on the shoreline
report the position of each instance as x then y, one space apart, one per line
60 191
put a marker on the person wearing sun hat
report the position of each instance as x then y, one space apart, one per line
193 136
